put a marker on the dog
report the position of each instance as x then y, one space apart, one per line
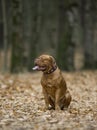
53 84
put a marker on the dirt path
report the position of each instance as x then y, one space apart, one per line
22 103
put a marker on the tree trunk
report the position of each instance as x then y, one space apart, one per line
47 27
65 45
5 35
94 28
17 41
88 37
28 11
34 34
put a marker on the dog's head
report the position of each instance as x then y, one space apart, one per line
45 63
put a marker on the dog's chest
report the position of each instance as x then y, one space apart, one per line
48 83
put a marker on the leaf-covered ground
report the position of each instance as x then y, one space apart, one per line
22 103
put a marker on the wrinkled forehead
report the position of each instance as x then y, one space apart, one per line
44 57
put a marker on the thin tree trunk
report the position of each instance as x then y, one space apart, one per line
34 34
87 25
65 46
17 38
27 30
5 35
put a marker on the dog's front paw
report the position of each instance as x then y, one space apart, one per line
48 108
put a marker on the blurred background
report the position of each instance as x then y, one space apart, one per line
65 29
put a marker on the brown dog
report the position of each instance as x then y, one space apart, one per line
53 84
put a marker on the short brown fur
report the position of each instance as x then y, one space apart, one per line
53 84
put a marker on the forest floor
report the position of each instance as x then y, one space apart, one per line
22 103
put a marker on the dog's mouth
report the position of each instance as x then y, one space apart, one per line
39 68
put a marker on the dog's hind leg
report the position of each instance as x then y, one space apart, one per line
65 101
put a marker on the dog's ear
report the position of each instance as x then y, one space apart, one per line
53 60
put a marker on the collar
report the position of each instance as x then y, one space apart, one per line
52 70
